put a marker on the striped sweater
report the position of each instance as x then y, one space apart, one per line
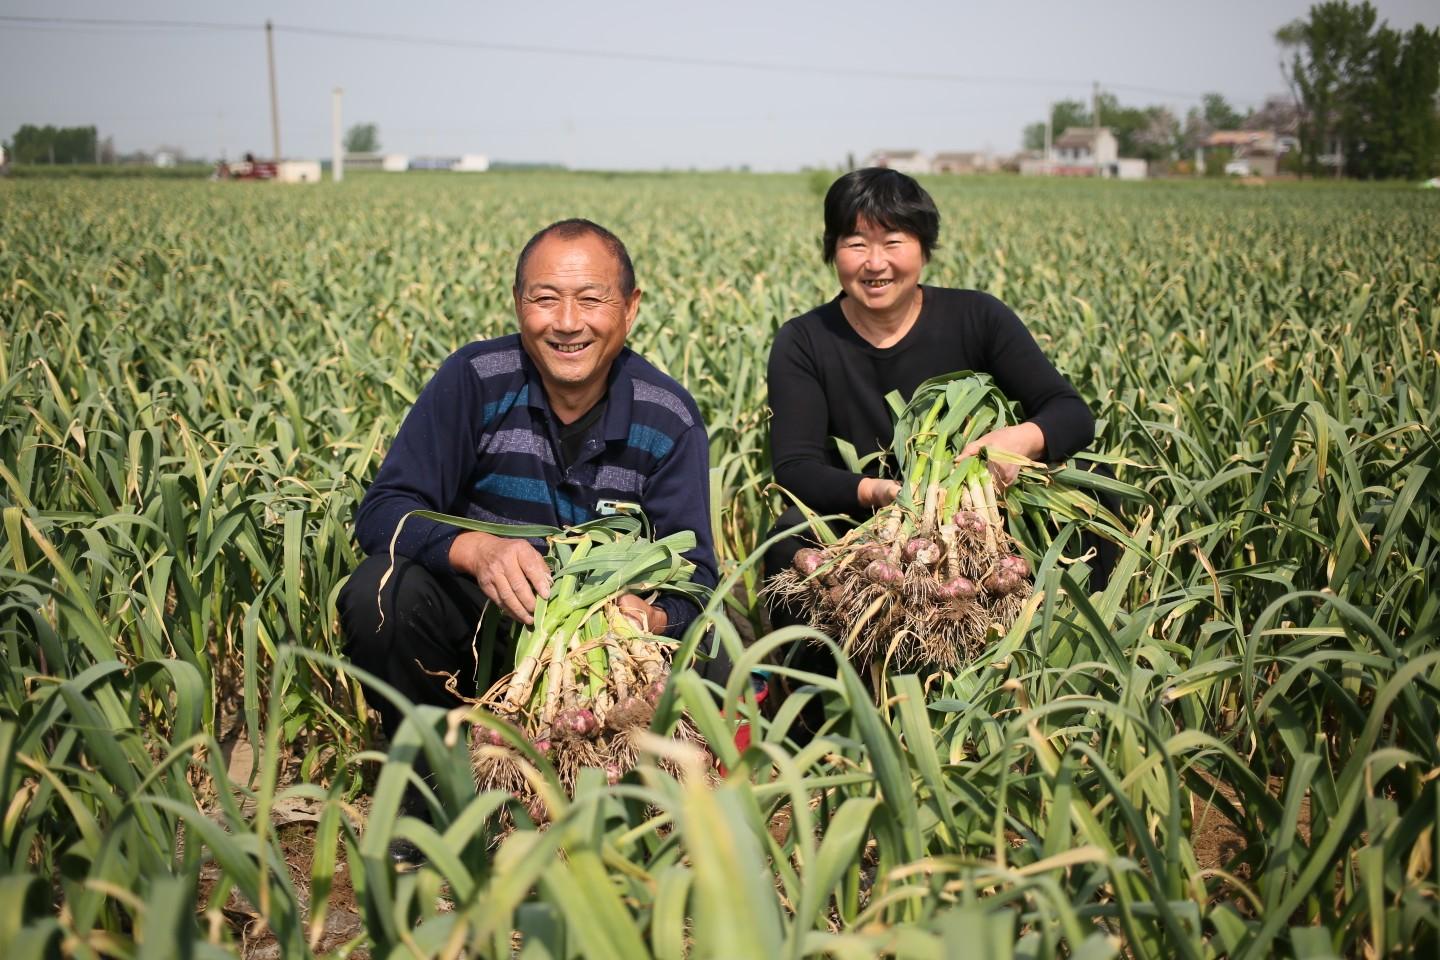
481 442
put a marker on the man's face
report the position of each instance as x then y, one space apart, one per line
573 316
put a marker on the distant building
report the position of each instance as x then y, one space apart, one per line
164 158
298 171
388 162
906 161
465 163
1086 146
1086 152
961 161
1253 153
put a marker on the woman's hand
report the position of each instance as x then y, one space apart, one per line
1024 440
646 616
876 493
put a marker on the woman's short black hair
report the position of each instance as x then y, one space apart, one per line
885 197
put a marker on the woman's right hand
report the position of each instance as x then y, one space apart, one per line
876 493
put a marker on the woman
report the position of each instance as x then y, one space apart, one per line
831 368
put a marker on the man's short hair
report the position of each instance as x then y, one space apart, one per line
579 227
887 198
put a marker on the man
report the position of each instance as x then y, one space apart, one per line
545 426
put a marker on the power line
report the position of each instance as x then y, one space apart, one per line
131 24
761 66
665 58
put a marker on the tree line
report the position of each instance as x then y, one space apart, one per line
33 144
1367 91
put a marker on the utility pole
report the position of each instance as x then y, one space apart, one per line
274 101
337 152
1049 137
1095 121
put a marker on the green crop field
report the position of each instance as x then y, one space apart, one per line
1234 750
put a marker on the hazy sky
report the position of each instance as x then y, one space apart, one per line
993 68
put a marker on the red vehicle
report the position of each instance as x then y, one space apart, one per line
246 169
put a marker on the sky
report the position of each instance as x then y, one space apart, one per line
635 85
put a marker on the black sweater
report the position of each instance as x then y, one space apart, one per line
826 381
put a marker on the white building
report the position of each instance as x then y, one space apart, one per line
1086 152
1086 146
298 171
389 162
906 161
963 161
472 163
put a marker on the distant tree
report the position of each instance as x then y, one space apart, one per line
1158 138
1219 114
49 144
1368 89
1390 128
1069 113
1063 115
1281 114
1196 130
1325 51
362 138
1151 133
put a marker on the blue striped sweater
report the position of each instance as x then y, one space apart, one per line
481 442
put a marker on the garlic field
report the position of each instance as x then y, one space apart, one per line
1233 750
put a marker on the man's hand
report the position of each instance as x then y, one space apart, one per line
646 616
508 569
876 493
1023 439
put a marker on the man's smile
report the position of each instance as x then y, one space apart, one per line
569 348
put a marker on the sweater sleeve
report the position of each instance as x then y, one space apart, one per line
425 468
799 430
1025 374
677 497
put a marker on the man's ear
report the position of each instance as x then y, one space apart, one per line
632 309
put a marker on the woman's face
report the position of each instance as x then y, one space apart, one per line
879 269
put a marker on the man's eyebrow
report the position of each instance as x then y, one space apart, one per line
540 286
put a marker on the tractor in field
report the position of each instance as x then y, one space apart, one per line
246 169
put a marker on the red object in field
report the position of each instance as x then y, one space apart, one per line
247 169
761 690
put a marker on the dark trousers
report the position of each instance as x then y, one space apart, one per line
430 622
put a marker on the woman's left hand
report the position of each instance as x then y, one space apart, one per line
646 616
1023 439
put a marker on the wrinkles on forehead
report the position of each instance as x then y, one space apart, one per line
572 266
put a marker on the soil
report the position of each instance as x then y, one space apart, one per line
256 942
294 826
1217 841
